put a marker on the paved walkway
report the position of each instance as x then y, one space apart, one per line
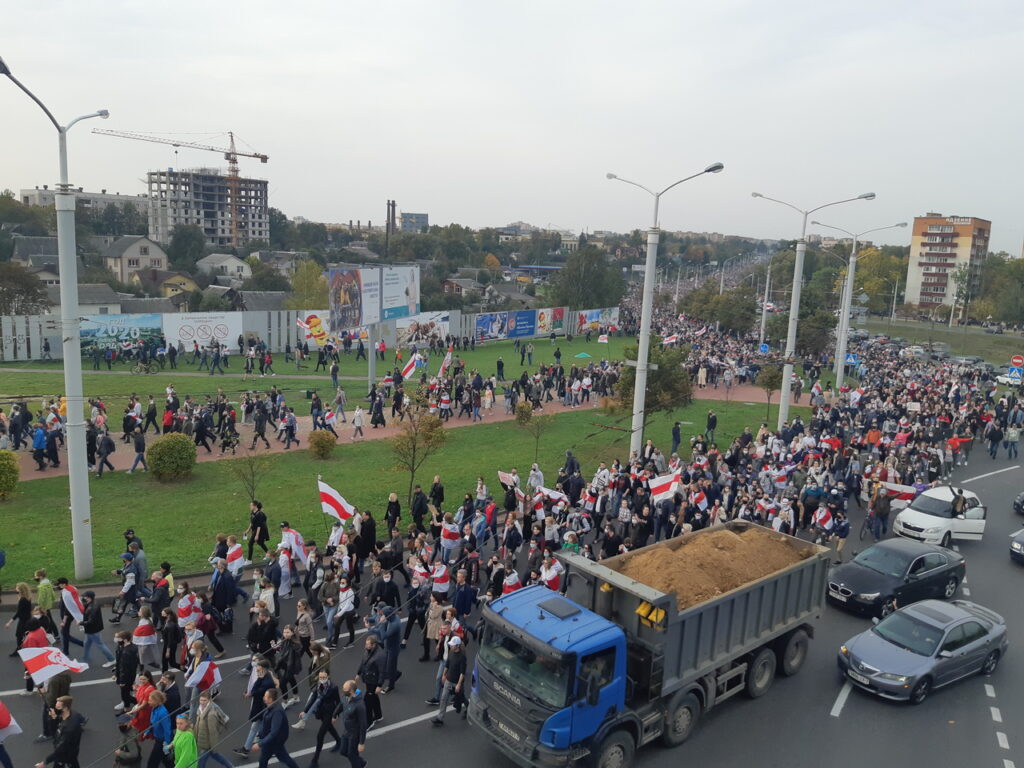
124 455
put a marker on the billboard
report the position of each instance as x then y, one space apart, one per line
522 323
354 296
420 328
544 321
189 327
401 292
558 320
119 331
312 327
491 326
594 319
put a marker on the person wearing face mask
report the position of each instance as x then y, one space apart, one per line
346 614
92 625
209 728
69 736
353 713
324 700
371 675
126 666
385 591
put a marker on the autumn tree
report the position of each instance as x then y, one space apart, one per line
249 470
21 293
770 380
491 262
587 280
534 424
668 384
309 287
419 437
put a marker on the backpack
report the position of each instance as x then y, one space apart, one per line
356 601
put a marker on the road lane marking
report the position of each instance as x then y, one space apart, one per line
990 691
1008 763
989 474
956 548
997 716
371 735
966 591
844 694
1003 741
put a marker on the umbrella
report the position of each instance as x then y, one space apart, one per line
582 354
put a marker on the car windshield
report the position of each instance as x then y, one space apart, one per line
908 633
932 506
542 678
882 560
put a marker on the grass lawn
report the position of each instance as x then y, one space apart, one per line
967 340
115 389
178 522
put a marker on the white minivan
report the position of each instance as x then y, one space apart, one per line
930 517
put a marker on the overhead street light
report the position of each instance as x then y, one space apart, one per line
794 301
646 308
846 305
78 474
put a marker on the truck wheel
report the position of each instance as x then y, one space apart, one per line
681 718
761 673
616 751
794 653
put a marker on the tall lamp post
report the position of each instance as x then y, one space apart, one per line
78 474
846 305
646 309
794 300
764 302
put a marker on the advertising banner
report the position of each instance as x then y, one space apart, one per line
595 319
354 296
401 291
522 323
119 331
558 320
544 321
189 327
421 328
312 327
492 326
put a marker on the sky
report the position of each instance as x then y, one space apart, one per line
484 113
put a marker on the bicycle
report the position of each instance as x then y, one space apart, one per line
867 527
142 368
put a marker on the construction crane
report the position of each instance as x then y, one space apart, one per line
231 154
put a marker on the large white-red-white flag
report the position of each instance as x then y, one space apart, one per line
43 663
292 540
333 503
552 494
446 363
72 602
670 339
664 487
410 366
507 479
602 339
205 676
8 725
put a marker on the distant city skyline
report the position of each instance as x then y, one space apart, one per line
487 113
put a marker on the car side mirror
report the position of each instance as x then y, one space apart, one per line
874 619
945 654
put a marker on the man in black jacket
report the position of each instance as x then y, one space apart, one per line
68 738
419 508
168 683
262 635
126 668
323 703
371 675
354 724
66 619
92 625
273 732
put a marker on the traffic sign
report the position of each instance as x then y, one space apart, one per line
1015 374
1017 361
763 349
851 359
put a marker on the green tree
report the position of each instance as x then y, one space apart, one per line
668 385
735 309
21 293
309 287
264 278
588 280
534 424
770 380
282 231
210 303
187 246
419 437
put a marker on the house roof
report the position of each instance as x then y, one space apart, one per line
88 293
216 259
217 290
159 276
256 301
25 247
465 284
131 304
39 263
118 247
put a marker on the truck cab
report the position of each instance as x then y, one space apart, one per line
548 674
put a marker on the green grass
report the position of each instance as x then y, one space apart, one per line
178 522
967 340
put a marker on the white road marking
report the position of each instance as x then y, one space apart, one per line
371 735
965 578
1008 763
844 694
966 591
1003 741
997 716
989 474
990 691
956 548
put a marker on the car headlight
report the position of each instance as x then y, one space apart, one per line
1017 547
844 650
936 529
895 678
868 595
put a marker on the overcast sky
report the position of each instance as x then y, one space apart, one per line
484 113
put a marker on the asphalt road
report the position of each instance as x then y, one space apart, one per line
808 720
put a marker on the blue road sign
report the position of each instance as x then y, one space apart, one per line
851 359
1015 374
763 349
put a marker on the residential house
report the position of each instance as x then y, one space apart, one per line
261 301
284 262
39 256
164 282
456 286
132 253
225 265
93 299
131 305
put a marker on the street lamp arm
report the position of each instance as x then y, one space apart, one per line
838 229
98 113
840 202
676 184
879 229
650 192
782 202
32 96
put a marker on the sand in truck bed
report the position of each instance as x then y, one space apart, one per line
713 563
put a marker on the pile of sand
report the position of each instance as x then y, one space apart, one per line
713 563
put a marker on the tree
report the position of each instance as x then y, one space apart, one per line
209 302
265 278
770 380
668 386
735 309
249 470
587 280
491 262
187 246
534 424
21 293
309 287
418 438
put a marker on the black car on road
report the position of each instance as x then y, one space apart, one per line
894 573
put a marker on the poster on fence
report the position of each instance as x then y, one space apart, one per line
558 320
119 331
522 323
401 292
544 321
491 326
420 329
203 327
594 319
354 296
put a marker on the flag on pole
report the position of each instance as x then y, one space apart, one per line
205 676
410 366
8 725
447 361
333 503
664 487
670 339
602 339
701 332
554 495
506 479
72 602
699 500
43 663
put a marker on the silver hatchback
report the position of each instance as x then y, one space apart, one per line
922 647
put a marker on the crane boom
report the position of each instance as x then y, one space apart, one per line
186 144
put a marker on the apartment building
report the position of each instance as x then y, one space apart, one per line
939 246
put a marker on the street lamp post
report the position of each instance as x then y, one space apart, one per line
78 474
764 303
646 309
794 300
846 305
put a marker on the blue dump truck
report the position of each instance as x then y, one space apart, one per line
560 681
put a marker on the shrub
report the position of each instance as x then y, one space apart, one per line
321 444
171 457
10 471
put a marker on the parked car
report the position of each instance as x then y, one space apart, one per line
1017 546
1018 503
929 517
1004 378
924 646
894 573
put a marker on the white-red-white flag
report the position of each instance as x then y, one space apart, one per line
410 366
292 539
664 487
333 503
602 339
701 332
506 478
670 339
8 725
72 602
205 676
551 494
699 500
447 361
43 663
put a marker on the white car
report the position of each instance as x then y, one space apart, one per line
930 518
1004 379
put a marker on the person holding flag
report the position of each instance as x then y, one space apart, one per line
202 674
333 503
8 727
71 611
